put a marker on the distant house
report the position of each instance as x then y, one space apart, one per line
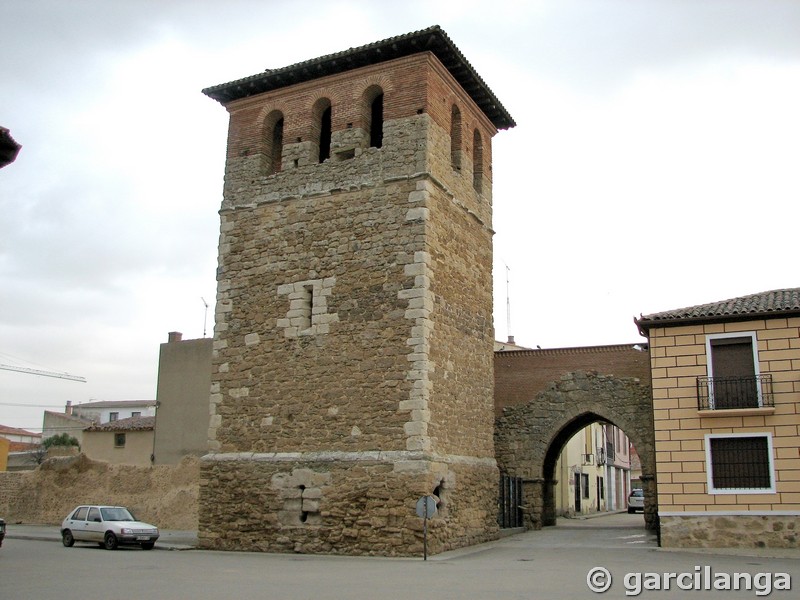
18 448
726 403
124 441
509 346
77 419
112 410
20 439
137 432
94 425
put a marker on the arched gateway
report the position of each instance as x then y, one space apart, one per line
529 435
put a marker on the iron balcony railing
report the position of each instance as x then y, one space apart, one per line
723 393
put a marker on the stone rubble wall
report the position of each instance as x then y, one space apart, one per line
337 383
165 495
730 531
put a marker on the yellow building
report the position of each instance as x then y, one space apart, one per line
125 441
726 401
4 445
594 471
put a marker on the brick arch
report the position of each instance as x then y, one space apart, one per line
530 436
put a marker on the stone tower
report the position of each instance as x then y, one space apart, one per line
353 348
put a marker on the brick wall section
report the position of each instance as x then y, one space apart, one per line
413 86
521 375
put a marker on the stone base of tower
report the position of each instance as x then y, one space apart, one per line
345 503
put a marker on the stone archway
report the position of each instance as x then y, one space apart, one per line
530 436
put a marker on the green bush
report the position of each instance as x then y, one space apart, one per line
62 439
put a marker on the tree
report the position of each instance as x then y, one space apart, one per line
62 439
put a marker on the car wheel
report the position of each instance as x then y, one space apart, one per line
110 541
148 545
631 510
67 539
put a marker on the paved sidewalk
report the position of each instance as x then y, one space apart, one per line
169 539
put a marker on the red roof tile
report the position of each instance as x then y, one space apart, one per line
774 303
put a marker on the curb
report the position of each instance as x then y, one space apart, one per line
50 538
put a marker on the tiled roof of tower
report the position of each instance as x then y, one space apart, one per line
774 303
432 39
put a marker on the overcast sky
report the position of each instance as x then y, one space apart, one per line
654 165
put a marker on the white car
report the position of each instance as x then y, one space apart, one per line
109 526
636 501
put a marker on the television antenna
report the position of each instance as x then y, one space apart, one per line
508 303
205 315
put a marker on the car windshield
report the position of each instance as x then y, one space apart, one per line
116 514
637 493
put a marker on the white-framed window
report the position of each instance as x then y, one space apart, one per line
733 373
739 463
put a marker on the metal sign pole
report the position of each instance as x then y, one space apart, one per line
425 534
426 507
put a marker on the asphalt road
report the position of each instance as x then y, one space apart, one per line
548 564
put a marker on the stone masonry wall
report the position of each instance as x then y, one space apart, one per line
334 504
730 531
462 339
166 495
528 437
283 387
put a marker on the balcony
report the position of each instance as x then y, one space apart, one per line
734 393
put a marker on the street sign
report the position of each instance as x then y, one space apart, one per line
426 507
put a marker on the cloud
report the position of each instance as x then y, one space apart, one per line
649 134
